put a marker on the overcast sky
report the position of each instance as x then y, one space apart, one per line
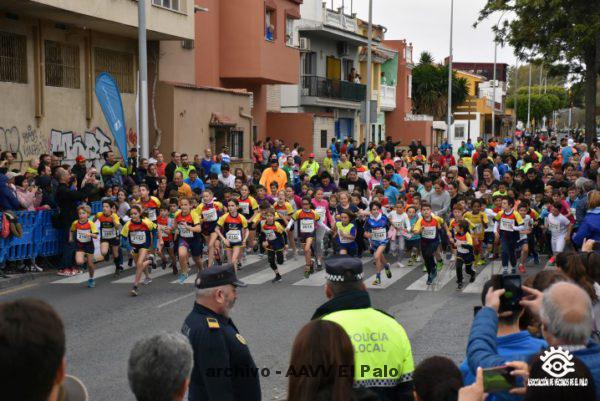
426 23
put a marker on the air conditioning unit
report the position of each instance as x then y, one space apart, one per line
343 49
187 44
304 44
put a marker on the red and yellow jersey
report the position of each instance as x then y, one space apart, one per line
258 217
151 207
191 219
229 222
210 212
306 220
285 209
533 214
108 225
82 231
139 233
430 227
464 244
274 234
248 206
508 221
168 228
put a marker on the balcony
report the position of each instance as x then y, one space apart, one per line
315 88
387 98
340 20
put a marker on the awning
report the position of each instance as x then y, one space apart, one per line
221 120
292 13
270 4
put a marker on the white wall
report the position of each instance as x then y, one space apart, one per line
475 131
311 10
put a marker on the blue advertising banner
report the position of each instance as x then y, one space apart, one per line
109 98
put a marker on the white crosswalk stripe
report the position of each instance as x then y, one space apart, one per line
397 274
484 275
317 279
267 274
154 274
444 276
83 277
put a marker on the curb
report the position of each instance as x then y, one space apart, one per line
16 279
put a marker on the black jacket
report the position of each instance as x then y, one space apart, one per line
67 200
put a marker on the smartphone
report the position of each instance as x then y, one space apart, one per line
476 309
513 293
498 379
596 246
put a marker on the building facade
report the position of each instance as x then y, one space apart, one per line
50 54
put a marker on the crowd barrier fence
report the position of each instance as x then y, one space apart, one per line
39 238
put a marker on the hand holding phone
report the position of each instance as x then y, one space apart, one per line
498 379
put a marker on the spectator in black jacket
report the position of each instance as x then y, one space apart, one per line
173 164
79 170
533 182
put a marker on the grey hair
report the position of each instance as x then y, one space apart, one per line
553 317
584 184
159 366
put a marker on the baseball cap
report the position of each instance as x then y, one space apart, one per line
79 159
311 155
218 276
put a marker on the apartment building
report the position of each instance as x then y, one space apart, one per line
50 54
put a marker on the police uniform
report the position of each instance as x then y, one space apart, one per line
223 367
383 359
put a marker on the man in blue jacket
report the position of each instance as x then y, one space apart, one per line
8 197
565 311
513 344
589 228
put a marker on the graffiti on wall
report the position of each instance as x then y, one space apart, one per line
132 137
91 145
27 144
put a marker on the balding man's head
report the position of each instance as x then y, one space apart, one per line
61 175
566 314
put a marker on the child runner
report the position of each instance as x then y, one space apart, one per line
321 206
560 229
189 239
109 240
82 232
376 230
138 232
509 225
166 229
464 253
248 207
272 235
412 241
479 219
307 220
210 211
429 227
345 232
398 220
150 205
232 228
523 244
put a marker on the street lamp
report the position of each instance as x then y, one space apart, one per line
143 83
369 96
494 80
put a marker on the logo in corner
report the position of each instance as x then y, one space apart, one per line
557 362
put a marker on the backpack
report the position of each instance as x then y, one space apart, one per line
4 227
14 227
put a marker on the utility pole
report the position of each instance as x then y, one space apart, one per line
494 90
529 99
143 84
449 122
368 101
516 119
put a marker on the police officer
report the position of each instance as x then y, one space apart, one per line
223 367
383 359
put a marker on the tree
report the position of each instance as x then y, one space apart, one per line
541 104
565 33
430 88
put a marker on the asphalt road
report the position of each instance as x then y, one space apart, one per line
103 323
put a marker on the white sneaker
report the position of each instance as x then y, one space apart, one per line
400 264
36 268
147 281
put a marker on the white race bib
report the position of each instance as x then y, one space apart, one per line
429 232
151 214
307 226
361 174
478 228
507 224
137 237
109 233
327 194
345 240
320 211
379 234
345 172
554 227
245 206
184 231
309 171
82 235
350 188
460 248
234 236
210 214
270 234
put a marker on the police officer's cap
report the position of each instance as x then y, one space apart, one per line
217 276
343 269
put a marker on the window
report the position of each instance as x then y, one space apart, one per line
289 31
117 64
347 66
62 65
323 138
13 57
309 63
409 86
170 4
459 132
236 144
270 24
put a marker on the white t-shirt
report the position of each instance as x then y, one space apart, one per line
557 225
491 215
228 181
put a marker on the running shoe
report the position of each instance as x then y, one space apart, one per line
307 273
75 272
417 259
439 265
174 268
91 283
504 271
536 259
319 267
147 281
134 291
429 279
239 266
433 275
459 286
163 264
182 278
472 278
388 272
63 272
410 262
277 278
400 264
130 262
36 268
481 262
522 268
377 281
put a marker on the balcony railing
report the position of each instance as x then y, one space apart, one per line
339 20
333 89
387 98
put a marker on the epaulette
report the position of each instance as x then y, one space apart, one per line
212 323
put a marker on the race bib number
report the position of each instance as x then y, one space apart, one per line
245 207
185 232
378 234
307 226
210 214
83 235
350 188
554 227
137 237
460 247
429 232
309 171
270 234
507 224
397 224
478 228
361 174
345 240
327 194
234 236
151 214
109 233
345 172
320 211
